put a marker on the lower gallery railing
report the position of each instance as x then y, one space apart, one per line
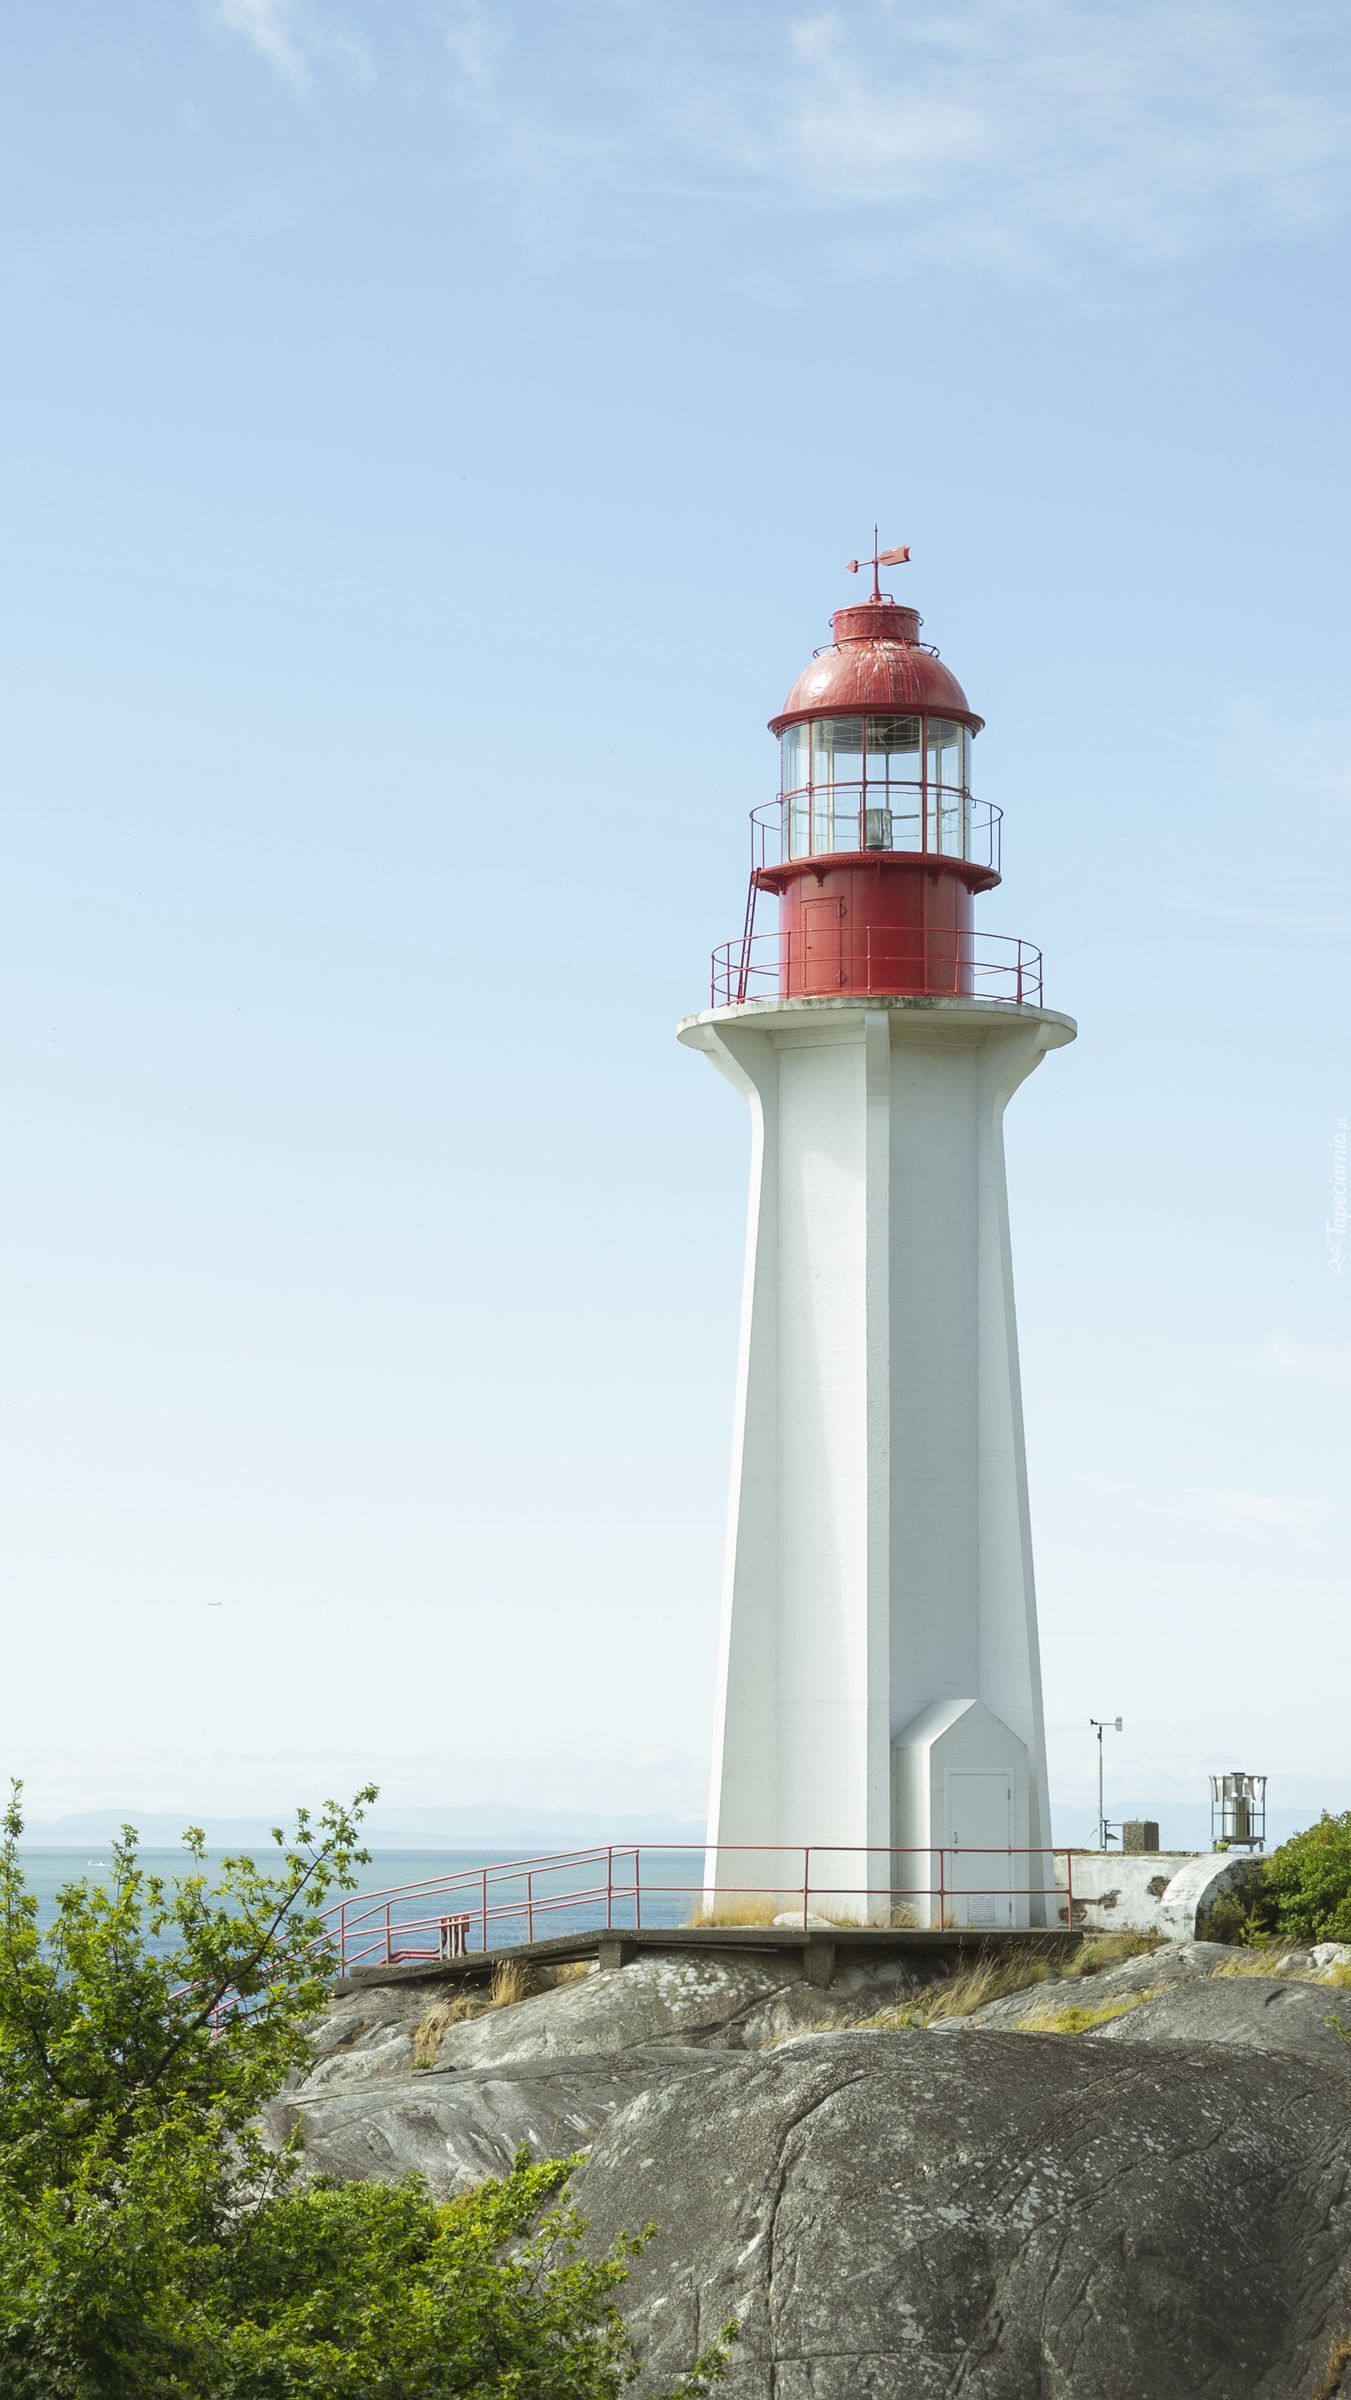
628 1887
935 964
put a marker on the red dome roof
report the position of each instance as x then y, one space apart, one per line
876 661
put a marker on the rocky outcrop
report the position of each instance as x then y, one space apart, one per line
1293 2020
454 2128
400 2086
1151 2203
1186 1994
736 2001
1008 2218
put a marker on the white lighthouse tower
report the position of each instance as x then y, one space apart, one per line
879 1692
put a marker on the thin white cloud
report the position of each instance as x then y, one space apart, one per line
1030 136
1299 1362
293 38
1021 133
476 34
1276 1509
1028 126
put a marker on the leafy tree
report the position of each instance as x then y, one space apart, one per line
153 2248
1308 1882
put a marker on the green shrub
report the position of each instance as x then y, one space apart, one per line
1247 1916
1308 1881
1302 1893
152 2248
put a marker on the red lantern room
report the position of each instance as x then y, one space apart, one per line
875 848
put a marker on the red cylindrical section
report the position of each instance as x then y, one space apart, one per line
855 918
876 621
891 927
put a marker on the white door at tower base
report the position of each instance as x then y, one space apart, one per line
979 1869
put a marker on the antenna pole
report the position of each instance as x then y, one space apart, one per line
877 588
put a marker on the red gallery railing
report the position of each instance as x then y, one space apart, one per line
622 1887
883 962
845 820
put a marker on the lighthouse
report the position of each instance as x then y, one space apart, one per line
879 1687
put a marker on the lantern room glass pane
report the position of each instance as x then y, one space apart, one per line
893 750
876 782
944 780
894 765
907 817
837 775
837 750
796 759
844 819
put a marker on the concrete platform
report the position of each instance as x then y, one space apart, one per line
818 1950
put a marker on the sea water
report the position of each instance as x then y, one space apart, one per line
487 1898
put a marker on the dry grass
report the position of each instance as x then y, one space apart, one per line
991 1978
572 1970
1267 1964
741 1908
794 2033
766 1908
1102 1950
1336 2381
511 1982
438 2021
1082 2019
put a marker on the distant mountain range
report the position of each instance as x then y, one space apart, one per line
1183 1824
488 1825
481 1825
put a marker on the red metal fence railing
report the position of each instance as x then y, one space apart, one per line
843 819
626 1887
881 960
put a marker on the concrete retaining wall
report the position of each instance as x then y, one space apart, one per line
1162 1891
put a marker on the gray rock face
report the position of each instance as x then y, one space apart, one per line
456 2129
1158 1970
549 2071
1299 2020
1006 2218
731 2001
657 1999
1146 2211
365 2036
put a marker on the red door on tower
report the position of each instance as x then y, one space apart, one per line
822 946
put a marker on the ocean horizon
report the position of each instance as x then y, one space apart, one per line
660 1889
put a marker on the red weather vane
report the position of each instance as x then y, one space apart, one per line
880 558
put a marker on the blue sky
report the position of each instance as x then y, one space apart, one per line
432 435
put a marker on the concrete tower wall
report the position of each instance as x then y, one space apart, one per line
879 1562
